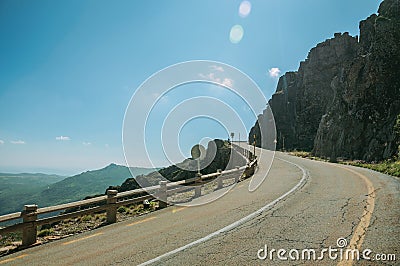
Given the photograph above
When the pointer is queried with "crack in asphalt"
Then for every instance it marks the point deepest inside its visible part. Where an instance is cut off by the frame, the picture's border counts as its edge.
(344, 209)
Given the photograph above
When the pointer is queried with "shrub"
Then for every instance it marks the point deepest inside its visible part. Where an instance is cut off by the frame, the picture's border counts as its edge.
(45, 232)
(45, 226)
(122, 209)
(86, 218)
(99, 217)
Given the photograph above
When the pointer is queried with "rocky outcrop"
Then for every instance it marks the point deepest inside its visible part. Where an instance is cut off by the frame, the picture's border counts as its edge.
(219, 155)
(345, 97)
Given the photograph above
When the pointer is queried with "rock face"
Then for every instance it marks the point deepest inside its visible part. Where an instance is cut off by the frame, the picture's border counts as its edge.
(344, 99)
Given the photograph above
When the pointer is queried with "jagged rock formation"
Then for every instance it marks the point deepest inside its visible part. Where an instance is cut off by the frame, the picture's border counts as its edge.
(345, 97)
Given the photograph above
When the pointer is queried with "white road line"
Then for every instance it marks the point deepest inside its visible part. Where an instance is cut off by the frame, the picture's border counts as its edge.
(237, 223)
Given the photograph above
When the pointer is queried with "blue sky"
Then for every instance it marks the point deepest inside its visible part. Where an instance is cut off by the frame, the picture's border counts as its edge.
(69, 68)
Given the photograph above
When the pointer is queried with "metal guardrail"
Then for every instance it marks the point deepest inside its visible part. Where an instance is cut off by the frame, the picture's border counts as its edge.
(110, 202)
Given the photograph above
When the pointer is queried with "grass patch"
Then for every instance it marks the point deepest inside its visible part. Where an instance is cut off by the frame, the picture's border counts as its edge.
(306, 154)
(302, 154)
(387, 167)
(9, 238)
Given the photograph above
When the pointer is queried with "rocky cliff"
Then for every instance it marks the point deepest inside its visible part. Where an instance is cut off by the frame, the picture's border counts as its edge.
(345, 97)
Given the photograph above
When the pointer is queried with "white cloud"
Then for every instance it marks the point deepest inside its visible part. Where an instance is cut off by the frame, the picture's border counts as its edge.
(63, 138)
(17, 142)
(1, 142)
(86, 143)
(211, 76)
(227, 82)
(274, 72)
(217, 68)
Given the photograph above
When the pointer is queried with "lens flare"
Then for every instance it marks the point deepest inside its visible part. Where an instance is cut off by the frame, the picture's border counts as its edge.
(236, 34)
(244, 9)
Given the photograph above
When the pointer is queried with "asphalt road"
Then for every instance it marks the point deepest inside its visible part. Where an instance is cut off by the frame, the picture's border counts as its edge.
(302, 204)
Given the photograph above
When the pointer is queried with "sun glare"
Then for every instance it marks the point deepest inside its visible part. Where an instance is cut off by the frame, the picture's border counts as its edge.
(236, 34)
(244, 9)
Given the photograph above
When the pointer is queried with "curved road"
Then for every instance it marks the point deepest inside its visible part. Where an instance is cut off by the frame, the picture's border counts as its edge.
(326, 202)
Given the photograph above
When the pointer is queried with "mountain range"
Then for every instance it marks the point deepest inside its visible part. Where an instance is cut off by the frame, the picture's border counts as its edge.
(44, 190)
(16, 190)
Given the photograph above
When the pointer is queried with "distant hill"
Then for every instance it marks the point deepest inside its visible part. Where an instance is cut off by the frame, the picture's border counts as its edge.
(79, 186)
(17, 188)
(47, 191)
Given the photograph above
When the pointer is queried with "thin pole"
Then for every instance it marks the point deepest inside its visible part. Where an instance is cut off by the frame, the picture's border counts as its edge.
(254, 146)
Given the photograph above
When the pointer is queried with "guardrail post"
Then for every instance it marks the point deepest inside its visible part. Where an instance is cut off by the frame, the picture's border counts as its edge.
(111, 206)
(29, 233)
(237, 175)
(197, 189)
(163, 195)
(219, 179)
